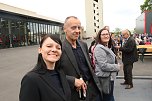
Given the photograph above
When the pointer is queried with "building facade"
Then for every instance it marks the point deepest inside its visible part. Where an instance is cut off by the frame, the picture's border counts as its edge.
(19, 27)
(144, 23)
(94, 16)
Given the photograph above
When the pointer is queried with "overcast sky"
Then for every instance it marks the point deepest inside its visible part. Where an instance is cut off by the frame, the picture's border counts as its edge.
(121, 13)
(117, 13)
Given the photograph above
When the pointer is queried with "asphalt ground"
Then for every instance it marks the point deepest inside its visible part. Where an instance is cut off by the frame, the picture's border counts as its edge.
(16, 62)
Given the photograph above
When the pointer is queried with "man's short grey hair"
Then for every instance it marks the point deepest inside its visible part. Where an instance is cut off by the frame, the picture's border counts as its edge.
(69, 18)
(127, 31)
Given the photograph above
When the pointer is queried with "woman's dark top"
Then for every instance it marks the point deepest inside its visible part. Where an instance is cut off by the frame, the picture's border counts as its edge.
(45, 85)
(54, 77)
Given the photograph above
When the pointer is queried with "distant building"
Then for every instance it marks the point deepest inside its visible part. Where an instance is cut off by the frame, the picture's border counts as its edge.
(144, 23)
(19, 27)
(94, 16)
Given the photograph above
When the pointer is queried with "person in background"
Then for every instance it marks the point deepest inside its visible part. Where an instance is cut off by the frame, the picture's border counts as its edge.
(76, 63)
(46, 82)
(91, 51)
(129, 56)
(114, 43)
(105, 60)
(92, 44)
(137, 40)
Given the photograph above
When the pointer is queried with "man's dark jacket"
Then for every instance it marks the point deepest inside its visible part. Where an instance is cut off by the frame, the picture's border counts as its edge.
(129, 51)
(71, 69)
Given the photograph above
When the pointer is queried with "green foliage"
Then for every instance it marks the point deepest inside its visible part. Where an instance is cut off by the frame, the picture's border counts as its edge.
(146, 6)
(117, 31)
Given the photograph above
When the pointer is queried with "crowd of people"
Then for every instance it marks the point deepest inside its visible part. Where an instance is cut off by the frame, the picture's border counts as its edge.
(143, 39)
(70, 71)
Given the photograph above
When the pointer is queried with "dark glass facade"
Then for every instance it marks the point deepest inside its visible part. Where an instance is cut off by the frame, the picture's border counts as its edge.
(18, 30)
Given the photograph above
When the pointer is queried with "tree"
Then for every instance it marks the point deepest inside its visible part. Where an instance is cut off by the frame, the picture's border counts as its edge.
(117, 31)
(146, 6)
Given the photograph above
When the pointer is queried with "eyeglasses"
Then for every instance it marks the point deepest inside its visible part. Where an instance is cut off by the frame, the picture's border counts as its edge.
(105, 34)
(123, 34)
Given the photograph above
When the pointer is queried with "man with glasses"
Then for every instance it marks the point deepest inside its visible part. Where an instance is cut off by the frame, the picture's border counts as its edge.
(129, 56)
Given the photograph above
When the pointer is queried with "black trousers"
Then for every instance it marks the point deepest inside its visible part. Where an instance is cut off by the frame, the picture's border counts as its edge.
(92, 92)
(109, 97)
(128, 73)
